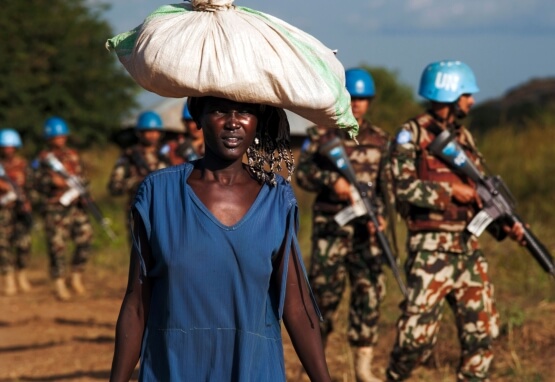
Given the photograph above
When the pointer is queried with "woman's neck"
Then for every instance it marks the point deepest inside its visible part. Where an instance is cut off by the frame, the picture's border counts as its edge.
(224, 173)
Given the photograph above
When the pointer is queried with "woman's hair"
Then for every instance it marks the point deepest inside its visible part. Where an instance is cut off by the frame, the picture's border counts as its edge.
(271, 146)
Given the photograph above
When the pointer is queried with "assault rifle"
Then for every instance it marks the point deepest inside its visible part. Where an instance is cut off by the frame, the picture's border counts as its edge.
(78, 189)
(15, 195)
(498, 203)
(335, 152)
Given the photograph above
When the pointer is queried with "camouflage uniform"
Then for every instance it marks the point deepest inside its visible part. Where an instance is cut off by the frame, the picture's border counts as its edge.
(177, 152)
(348, 251)
(15, 216)
(62, 222)
(444, 262)
(133, 165)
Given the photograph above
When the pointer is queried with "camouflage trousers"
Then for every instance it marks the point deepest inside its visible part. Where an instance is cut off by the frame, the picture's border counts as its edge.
(338, 253)
(63, 224)
(15, 241)
(461, 279)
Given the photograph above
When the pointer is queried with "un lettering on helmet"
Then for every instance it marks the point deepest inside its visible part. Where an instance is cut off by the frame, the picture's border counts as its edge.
(446, 81)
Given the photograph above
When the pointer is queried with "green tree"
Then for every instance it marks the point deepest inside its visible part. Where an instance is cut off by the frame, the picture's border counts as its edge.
(394, 102)
(53, 62)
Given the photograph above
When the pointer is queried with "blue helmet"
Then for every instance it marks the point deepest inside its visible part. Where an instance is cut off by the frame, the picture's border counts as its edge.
(54, 127)
(445, 81)
(359, 83)
(9, 138)
(186, 115)
(149, 120)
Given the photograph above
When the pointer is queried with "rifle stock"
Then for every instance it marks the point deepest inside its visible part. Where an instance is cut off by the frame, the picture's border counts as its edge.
(497, 200)
(88, 202)
(26, 216)
(334, 151)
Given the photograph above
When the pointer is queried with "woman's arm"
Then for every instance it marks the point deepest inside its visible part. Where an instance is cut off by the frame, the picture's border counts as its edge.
(134, 311)
(302, 322)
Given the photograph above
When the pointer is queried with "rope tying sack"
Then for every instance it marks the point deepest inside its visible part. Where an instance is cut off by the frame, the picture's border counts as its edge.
(211, 5)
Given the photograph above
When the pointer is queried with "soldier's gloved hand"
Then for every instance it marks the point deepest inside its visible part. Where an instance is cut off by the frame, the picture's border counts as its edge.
(465, 194)
(516, 232)
(342, 189)
(382, 225)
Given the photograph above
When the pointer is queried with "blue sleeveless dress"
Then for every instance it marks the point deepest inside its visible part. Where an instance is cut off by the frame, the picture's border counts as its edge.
(214, 314)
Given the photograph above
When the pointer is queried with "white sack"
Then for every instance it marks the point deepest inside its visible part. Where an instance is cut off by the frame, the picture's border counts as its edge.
(236, 53)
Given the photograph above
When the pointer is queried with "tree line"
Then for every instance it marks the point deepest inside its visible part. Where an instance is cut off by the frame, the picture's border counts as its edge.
(54, 62)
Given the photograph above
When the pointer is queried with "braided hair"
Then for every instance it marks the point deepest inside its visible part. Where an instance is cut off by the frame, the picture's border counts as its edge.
(271, 146)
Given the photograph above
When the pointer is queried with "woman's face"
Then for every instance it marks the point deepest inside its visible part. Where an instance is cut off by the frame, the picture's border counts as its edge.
(229, 127)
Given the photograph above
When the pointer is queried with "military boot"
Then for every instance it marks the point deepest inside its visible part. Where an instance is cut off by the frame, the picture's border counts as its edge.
(76, 283)
(61, 290)
(363, 364)
(23, 281)
(10, 287)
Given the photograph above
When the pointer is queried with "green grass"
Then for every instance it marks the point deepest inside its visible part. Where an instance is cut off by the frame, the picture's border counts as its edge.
(524, 159)
(526, 162)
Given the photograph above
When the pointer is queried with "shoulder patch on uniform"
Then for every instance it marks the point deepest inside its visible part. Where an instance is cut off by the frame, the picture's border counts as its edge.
(35, 164)
(165, 150)
(305, 145)
(403, 137)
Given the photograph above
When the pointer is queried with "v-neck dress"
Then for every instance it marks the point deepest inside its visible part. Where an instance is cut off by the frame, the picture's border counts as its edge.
(214, 313)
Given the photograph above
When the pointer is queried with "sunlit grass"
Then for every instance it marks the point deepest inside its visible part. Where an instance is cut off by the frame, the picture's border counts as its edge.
(526, 162)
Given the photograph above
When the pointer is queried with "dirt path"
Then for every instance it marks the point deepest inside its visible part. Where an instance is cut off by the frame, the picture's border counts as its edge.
(42, 339)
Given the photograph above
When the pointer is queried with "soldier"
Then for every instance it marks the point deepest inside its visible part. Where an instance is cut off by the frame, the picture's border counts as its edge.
(351, 250)
(188, 144)
(15, 213)
(444, 261)
(139, 160)
(64, 214)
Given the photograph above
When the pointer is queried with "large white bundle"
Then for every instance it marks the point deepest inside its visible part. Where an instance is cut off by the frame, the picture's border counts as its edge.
(211, 47)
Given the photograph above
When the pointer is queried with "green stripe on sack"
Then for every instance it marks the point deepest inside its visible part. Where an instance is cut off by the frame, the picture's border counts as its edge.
(168, 10)
(344, 118)
(124, 43)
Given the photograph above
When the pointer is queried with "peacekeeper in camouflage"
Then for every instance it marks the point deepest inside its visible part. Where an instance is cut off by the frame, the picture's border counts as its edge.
(139, 160)
(188, 144)
(348, 251)
(444, 261)
(65, 217)
(15, 214)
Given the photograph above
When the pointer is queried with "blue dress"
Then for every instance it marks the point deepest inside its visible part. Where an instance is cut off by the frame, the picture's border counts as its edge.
(214, 314)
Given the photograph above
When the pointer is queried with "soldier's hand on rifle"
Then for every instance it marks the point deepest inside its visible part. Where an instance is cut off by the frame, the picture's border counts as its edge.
(516, 232)
(382, 225)
(342, 188)
(58, 180)
(465, 194)
(5, 186)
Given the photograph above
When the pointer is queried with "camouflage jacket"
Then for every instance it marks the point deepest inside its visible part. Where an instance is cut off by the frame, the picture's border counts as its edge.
(132, 167)
(177, 152)
(19, 175)
(316, 173)
(49, 193)
(423, 187)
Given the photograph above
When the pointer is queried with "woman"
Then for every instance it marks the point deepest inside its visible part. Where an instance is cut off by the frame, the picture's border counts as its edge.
(215, 264)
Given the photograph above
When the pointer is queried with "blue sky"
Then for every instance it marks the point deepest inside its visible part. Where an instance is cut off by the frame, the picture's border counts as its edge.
(506, 42)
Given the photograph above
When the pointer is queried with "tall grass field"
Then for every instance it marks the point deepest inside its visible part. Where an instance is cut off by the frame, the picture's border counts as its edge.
(525, 294)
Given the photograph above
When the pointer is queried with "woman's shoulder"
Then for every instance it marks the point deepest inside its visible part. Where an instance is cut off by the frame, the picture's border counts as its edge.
(283, 189)
(170, 174)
